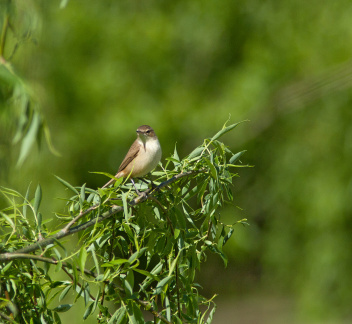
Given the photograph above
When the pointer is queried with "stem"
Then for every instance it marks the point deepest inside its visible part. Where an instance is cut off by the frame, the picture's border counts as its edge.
(112, 211)
(78, 284)
(110, 257)
(178, 292)
(143, 303)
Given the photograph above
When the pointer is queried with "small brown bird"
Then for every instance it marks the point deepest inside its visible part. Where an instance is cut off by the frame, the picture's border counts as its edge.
(142, 157)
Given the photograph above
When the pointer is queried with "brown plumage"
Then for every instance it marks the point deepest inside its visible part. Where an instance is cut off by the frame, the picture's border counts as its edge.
(142, 157)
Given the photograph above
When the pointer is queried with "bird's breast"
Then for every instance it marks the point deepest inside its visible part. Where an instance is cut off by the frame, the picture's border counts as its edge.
(147, 159)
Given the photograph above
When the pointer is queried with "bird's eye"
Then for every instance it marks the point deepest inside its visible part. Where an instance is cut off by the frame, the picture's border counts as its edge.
(148, 131)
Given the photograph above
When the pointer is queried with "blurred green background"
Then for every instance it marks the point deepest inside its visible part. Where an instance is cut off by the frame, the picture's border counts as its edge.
(100, 69)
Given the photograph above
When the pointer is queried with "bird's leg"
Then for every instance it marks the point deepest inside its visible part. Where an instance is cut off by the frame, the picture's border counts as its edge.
(138, 192)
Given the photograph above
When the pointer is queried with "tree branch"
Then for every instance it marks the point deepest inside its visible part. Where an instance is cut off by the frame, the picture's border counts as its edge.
(112, 211)
(143, 303)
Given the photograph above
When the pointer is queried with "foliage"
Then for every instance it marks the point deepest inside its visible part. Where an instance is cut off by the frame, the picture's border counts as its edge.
(21, 119)
(102, 68)
(134, 252)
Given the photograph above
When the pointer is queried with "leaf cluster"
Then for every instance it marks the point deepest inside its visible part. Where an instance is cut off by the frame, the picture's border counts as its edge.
(133, 252)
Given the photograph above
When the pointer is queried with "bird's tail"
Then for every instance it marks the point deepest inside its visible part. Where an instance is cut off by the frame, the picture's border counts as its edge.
(111, 181)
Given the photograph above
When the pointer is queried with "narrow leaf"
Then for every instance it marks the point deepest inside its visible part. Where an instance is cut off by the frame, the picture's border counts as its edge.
(162, 284)
(37, 198)
(82, 258)
(118, 316)
(196, 152)
(236, 156)
(7, 266)
(29, 138)
(25, 203)
(225, 130)
(66, 184)
(8, 219)
(64, 293)
(88, 311)
(63, 308)
(212, 168)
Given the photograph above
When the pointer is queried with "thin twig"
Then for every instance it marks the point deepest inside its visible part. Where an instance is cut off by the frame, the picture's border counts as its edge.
(78, 284)
(151, 310)
(110, 258)
(111, 212)
(143, 303)
(80, 215)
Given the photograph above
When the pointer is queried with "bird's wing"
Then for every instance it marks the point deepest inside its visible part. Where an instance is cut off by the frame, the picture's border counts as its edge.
(130, 156)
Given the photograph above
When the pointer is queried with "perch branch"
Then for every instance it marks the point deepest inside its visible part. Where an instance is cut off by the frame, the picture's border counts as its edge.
(69, 231)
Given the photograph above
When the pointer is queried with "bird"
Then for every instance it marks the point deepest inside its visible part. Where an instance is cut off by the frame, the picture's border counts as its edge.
(142, 157)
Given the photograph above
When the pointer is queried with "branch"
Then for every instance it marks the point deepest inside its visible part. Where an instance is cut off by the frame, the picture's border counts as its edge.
(112, 211)
(143, 303)
(151, 310)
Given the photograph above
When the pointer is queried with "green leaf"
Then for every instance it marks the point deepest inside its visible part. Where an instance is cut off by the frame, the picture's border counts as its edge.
(173, 265)
(146, 273)
(95, 259)
(168, 309)
(176, 233)
(75, 275)
(86, 295)
(210, 317)
(236, 156)
(25, 203)
(48, 139)
(40, 220)
(62, 308)
(66, 184)
(202, 188)
(58, 266)
(64, 293)
(7, 266)
(180, 218)
(228, 235)
(88, 311)
(126, 210)
(114, 262)
(37, 198)
(134, 313)
(118, 316)
(160, 286)
(196, 152)
(128, 283)
(175, 155)
(83, 195)
(29, 138)
(225, 130)
(212, 169)
(8, 220)
(82, 258)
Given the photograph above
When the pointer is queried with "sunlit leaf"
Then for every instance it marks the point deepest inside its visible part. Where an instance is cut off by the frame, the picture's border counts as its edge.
(225, 130)
(62, 308)
(82, 258)
(67, 185)
(29, 138)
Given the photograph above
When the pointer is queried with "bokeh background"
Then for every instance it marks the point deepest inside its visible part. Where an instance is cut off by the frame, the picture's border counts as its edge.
(100, 69)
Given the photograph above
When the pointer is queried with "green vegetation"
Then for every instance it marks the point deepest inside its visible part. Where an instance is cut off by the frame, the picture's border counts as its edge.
(133, 253)
(95, 72)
